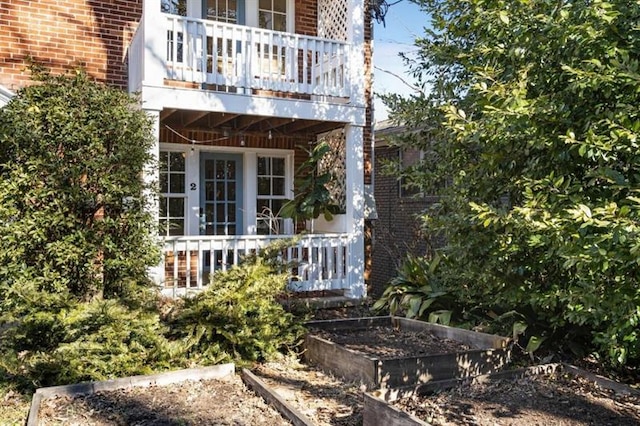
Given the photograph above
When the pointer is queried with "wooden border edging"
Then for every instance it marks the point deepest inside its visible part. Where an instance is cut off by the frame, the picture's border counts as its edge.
(160, 379)
(377, 410)
(288, 411)
(487, 353)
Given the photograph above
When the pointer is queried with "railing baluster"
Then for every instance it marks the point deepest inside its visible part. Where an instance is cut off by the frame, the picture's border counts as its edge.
(203, 51)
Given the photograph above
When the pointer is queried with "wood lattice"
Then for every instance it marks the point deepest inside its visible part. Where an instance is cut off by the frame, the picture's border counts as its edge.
(335, 162)
(332, 19)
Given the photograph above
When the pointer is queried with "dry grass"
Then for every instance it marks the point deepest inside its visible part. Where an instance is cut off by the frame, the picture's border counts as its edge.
(14, 407)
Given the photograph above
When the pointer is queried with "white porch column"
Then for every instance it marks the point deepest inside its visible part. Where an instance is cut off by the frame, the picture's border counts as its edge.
(356, 56)
(355, 210)
(155, 43)
(250, 177)
(151, 176)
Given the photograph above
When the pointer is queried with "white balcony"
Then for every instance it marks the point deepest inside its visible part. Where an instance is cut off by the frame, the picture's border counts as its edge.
(237, 58)
(319, 262)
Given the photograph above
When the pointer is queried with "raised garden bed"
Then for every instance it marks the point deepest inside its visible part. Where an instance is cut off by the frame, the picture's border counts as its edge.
(552, 394)
(390, 352)
(319, 398)
(206, 396)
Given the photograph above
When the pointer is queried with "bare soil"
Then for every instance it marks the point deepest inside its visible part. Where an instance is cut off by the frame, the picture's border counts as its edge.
(327, 400)
(224, 401)
(388, 342)
(321, 397)
(550, 399)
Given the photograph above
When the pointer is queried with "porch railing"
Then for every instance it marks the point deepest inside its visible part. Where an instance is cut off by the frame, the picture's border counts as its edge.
(237, 57)
(319, 262)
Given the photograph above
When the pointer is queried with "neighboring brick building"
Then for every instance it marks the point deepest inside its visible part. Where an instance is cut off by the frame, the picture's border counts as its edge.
(396, 231)
(233, 87)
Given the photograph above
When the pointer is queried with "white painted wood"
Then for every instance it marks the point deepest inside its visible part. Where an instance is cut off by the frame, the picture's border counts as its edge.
(356, 29)
(5, 96)
(151, 176)
(192, 177)
(195, 8)
(316, 255)
(236, 103)
(154, 33)
(355, 210)
(250, 191)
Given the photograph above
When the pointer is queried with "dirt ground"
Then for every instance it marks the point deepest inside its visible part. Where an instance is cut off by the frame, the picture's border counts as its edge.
(553, 399)
(225, 401)
(319, 396)
(328, 400)
(387, 342)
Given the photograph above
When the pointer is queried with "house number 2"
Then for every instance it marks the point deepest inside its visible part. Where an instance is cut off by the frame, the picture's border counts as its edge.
(193, 186)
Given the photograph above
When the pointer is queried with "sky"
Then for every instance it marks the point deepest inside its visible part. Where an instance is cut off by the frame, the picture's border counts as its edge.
(404, 22)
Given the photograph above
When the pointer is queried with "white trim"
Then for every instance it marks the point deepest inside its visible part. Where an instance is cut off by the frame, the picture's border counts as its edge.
(251, 14)
(250, 155)
(160, 97)
(5, 96)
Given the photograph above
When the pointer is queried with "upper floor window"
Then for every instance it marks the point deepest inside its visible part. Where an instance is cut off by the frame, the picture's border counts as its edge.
(174, 7)
(272, 14)
(409, 158)
(222, 10)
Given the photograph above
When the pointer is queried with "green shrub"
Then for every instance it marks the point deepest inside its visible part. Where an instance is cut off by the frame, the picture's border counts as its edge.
(238, 317)
(72, 206)
(99, 340)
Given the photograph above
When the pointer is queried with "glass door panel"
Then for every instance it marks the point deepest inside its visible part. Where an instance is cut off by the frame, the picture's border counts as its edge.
(221, 194)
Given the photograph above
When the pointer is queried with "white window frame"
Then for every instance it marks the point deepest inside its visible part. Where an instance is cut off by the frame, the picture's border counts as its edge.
(164, 196)
(270, 197)
(251, 11)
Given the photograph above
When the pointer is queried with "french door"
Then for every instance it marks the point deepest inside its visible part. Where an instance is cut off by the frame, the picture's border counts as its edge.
(221, 194)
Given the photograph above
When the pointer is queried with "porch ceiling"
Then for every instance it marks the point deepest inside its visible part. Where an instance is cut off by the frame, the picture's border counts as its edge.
(209, 121)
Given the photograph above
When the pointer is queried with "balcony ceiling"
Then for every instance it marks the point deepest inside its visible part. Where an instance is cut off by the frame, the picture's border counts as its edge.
(216, 121)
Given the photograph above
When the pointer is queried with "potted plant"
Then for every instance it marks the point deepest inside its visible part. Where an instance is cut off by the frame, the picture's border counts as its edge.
(312, 197)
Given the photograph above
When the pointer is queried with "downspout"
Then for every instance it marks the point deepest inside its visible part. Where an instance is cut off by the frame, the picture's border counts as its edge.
(5, 96)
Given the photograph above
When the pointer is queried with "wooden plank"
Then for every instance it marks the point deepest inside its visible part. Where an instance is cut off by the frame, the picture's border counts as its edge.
(272, 398)
(420, 369)
(406, 371)
(160, 379)
(341, 361)
(468, 337)
(376, 412)
(350, 324)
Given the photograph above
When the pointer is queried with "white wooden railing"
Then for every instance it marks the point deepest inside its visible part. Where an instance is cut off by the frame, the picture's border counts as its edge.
(319, 261)
(240, 58)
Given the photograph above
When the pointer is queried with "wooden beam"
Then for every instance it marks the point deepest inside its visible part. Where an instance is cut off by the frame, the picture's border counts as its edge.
(188, 118)
(247, 121)
(166, 113)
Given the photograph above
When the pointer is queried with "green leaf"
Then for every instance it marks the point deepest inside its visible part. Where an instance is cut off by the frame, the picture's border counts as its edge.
(443, 317)
(504, 17)
(534, 343)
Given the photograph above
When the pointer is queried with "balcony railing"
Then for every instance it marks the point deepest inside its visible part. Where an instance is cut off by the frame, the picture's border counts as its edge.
(239, 58)
(318, 262)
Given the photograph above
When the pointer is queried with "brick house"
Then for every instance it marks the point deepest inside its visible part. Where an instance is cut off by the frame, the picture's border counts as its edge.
(234, 88)
(396, 230)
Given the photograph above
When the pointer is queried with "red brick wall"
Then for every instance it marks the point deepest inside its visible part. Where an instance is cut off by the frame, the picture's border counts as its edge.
(306, 17)
(62, 34)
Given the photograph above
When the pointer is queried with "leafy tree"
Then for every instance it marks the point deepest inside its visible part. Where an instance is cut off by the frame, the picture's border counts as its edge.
(76, 237)
(533, 123)
(72, 212)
